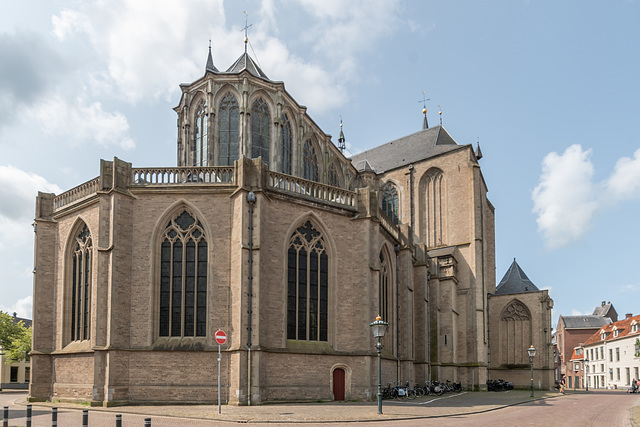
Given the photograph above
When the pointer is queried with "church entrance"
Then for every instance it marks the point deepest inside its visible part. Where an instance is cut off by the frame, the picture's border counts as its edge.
(338, 384)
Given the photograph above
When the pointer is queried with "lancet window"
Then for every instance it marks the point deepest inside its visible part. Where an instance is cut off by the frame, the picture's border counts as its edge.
(183, 278)
(287, 142)
(334, 176)
(200, 135)
(383, 291)
(309, 161)
(228, 137)
(434, 211)
(260, 127)
(308, 285)
(81, 285)
(390, 202)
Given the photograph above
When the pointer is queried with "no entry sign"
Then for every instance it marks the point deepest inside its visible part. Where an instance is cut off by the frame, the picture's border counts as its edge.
(220, 337)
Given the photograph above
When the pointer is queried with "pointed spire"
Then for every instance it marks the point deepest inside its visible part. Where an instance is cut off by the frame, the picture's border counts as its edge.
(341, 144)
(479, 156)
(210, 66)
(425, 124)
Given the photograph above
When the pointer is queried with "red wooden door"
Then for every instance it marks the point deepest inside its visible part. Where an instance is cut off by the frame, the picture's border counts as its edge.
(338, 384)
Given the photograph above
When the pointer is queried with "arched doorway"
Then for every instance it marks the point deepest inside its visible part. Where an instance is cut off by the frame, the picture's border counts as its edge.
(338, 384)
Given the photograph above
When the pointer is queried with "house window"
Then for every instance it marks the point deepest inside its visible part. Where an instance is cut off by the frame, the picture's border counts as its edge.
(390, 202)
(383, 291)
(617, 354)
(610, 355)
(611, 375)
(309, 161)
(200, 132)
(601, 352)
(228, 120)
(628, 376)
(27, 374)
(615, 333)
(569, 382)
(81, 285)
(618, 374)
(602, 367)
(183, 278)
(260, 127)
(287, 138)
(636, 372)
(308, 285)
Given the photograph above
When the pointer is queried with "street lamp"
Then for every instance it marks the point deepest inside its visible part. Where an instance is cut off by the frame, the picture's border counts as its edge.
(586, 374)
(378, 329)
(532, 353)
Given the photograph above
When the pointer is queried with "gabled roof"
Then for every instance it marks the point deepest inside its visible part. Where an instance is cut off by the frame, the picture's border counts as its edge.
(587, 321)
(606, 309)
(575, 356)
(245, 62)
(403, 151)
(624, 330)
(515, 282)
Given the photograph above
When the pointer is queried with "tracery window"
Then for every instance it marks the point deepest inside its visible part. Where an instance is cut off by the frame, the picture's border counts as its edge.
(287, 139)
(515, 334)
(309, 161)
(307, 285)
(200, 133)
(260, 126)
(81, 285)
(390, 202)
(334, 176)
(383, 291)
(228, 120)
(434, 209)
(183, 278)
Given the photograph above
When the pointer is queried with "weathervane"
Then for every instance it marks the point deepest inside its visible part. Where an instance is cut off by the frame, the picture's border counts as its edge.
(246, 27)
(425, 124)
(440, 113)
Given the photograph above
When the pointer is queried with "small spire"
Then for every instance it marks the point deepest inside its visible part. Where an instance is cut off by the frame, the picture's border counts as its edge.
(425, 123)
(210, 66)
(479, 156)
(341, 144)
(440, 114)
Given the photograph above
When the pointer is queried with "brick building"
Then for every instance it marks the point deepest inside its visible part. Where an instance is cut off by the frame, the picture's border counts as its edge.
(265, 230)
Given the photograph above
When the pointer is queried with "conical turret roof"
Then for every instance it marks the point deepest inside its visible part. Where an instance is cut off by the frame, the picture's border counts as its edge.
(245, 62)
(515, 282)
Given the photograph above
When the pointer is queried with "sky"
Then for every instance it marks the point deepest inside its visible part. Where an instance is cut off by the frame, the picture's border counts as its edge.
(549, 89)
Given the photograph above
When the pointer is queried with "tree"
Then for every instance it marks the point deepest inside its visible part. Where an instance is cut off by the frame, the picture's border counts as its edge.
(15, 338)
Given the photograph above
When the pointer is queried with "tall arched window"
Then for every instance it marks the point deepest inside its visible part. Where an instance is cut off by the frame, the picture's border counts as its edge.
(200, 133)
(308, 285)
(390, 202)
(260, 127)
(334, 176)
(229, 118)
(309, 161)
(183, 278)
(434, 208)
(81, 285)
(515, 334)
(287, 139)
(383, 291)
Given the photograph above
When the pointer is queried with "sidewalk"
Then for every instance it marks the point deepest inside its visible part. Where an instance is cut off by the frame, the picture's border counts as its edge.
(329, 412)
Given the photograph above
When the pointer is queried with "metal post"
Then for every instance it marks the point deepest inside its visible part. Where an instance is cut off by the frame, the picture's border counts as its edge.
(5, 417)
(251, 199)
(531, 359)
(29, 415)
(379, 347)
(586, 374)
(85, 418)
(147, 422)
(54, 417)
(118, 420)
(219, 404)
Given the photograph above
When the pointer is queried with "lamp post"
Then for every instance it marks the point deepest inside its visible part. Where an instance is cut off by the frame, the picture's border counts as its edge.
(586, 374)
(378, 329)
(532, 353)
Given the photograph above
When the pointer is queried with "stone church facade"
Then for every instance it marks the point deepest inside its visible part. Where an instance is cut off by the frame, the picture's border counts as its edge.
(264, 230)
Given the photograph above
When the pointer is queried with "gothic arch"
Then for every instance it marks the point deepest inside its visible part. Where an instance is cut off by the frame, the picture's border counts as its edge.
(347, 379)
(311, 139)
(432, 208)
(391, 204)
(199, 149)
(335, 175)
(261, 127)
(515, 333)
(280, 151)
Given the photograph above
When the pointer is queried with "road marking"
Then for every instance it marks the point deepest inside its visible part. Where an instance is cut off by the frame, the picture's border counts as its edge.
(446, 397)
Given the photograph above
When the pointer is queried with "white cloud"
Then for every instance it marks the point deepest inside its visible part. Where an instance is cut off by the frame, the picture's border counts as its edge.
(576, 312)
(80, 122)
(23, 308)
(565, 200)
(624, 182)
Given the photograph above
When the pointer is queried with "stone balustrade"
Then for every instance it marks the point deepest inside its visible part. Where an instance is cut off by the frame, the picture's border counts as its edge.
(183, 175)
(315, 190)
(82, 191)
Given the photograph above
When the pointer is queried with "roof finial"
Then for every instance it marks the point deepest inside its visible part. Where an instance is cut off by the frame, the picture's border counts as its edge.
(341, 144)
(246, 27)
(479, 156)
(425, 124)
(210, 66)
(440, 113)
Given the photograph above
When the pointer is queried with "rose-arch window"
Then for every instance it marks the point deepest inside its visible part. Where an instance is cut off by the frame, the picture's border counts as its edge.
(307, 285)
(81, 285)
(183, 278)
(260, 125)
(228, 136)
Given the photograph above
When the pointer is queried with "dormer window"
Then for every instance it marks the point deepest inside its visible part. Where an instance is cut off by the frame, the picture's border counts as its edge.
(634, 327)
(603, 335)
(615, 332)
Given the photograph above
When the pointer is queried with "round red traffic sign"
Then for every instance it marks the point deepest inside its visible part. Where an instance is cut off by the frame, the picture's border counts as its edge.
(220, 337)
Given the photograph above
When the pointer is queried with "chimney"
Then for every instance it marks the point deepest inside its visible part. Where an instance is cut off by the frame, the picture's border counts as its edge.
(15, 314)
(603, 303)
(628, 316)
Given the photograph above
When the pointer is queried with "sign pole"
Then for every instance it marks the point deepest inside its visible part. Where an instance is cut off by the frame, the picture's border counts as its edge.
(220, 337)
(219, 405)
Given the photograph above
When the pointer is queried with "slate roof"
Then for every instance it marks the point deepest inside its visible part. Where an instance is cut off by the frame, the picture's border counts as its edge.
(26, 322)
(606, 309)
(587, 321)
(245, 62)
(623, 326)
(403, 151)
(210, 66)
(515, 282)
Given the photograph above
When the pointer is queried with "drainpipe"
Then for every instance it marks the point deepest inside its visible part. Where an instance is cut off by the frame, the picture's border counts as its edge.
(397, 249)
(251, 199)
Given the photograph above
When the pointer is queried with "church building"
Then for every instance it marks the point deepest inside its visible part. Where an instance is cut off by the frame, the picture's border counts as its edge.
(266, 231)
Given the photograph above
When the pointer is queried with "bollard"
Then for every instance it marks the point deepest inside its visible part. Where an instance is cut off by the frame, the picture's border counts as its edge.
(147, 422)
(118, 420)
(5, 417)
(85, 418)
(54, 417)
(28, 415)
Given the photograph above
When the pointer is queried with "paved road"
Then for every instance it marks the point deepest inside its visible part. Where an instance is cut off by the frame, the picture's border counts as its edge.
(481, 408)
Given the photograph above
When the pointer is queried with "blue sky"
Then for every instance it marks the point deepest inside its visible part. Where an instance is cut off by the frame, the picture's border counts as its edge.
(550, 89)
